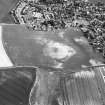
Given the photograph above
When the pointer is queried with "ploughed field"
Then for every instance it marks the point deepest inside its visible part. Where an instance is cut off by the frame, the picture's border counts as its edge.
(15, 85)
(87, 90)
(80, 88)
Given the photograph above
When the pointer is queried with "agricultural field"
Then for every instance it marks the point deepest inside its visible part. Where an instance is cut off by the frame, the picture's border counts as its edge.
(52, 52)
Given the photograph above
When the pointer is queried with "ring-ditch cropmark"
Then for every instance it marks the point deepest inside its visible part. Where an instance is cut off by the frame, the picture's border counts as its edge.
(58, 51)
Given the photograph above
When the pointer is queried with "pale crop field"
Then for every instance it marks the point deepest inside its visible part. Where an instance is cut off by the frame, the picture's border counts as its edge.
(4, 59)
